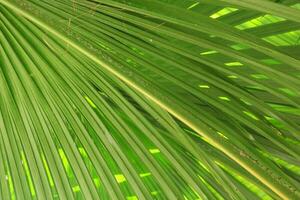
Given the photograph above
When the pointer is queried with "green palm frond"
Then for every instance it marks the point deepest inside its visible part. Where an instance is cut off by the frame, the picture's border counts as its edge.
(148, 99)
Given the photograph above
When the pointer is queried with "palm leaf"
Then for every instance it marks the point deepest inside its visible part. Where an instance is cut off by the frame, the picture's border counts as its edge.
(110, 99)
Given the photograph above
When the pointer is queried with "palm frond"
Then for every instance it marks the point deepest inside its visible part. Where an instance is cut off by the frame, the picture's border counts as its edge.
(111, 99)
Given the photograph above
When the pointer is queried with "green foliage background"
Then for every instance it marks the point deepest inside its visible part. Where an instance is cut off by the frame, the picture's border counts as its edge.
(149, 99)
